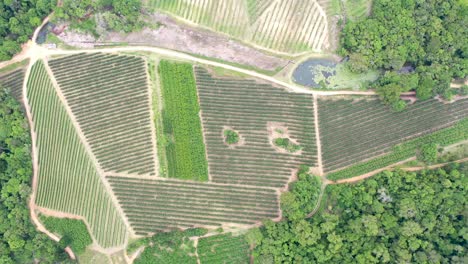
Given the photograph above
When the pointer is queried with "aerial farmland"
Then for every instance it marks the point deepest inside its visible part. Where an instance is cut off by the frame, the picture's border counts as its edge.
(129, 152)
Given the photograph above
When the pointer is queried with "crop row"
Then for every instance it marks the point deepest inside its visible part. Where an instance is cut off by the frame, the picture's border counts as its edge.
(354, 130)
(250, 108)
(223, 248)
(287, 26)
(408, 149)
(185, 150)
(230, 17)
(67, 180)
(291, 26)
(13, 82)
(155, 205)
(109, 96)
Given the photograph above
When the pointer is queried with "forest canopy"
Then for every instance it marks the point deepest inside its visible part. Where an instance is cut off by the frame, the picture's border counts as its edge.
(427, 35)
(18, 19)
(394, 217)
(94, 16)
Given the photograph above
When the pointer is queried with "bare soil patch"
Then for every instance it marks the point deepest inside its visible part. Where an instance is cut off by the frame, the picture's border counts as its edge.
(181, 37)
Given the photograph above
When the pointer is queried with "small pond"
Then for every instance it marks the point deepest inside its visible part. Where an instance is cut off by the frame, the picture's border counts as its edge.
(323, 73)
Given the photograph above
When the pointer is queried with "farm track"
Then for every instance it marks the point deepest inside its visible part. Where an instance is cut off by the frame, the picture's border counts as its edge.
(34, 52)
(86, 145)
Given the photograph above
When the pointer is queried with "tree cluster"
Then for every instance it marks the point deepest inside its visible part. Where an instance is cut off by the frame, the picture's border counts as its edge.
(90, 15)
(394, 217)
(19, 240)
(18, 19)
(428, 35)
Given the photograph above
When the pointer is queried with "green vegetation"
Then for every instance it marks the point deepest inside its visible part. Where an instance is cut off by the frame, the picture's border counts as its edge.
(341, 77)
(153, 206)
(20, 242)
(231, 136)
(18, 20)
(67, 178)
(353, 129)
(170, 247)
(394, 217)
(406, 150)
(286, 144)
(428, 153)
(109, 97)
(223, 248)
(282, 28)
(13, 82)
(185, 149)
(302, 197)
(249, 107)
(98, 16)
(423, 34)
(74, 233)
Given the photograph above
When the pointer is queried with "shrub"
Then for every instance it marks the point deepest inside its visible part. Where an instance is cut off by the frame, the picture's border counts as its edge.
(286, 144)
(231, 137)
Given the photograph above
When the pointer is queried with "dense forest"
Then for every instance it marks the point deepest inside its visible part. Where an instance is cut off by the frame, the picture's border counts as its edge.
(427, 37)
(20, 242)
(394, 217)
(97, 16)
(18, 19)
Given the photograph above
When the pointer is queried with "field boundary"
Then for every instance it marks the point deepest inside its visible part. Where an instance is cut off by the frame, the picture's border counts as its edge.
(88, 150)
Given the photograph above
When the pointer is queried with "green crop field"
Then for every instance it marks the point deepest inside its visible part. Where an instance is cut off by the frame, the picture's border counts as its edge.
(288, 26)
(109, 96)
(443, 137)
(224, 248)
(157, 205)
(13, 82)
(67, 178)
(185, 150)
(249, 107)
(353, 130)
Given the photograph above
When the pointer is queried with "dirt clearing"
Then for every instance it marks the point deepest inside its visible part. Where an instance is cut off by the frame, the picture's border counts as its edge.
(178, 36)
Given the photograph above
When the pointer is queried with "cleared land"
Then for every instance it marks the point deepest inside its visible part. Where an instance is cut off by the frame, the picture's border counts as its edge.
(109, 96)
(13, 81)
(185, 150)
(288, 26)
(356, 129)
(224, 248)
(153, 205)
(67, 178)
(249, 108)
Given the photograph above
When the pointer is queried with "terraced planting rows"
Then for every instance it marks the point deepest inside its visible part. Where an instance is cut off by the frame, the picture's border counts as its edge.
(228, 16)
(13, 81)
(155, 205)
(248, 107)
(289, 26)
(293, 25)
(352, 130)
(224, 248)
(67, 178)
(108, 95)
(185, 150)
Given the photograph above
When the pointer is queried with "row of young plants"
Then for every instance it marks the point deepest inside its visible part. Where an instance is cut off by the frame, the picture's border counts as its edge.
(403, 151)
(13, 82)
(108, 94)
(355, 129)
(185, 149)
(223, 248)
(153, 206)
(249, 108)
(67, 178)
(178, 247)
